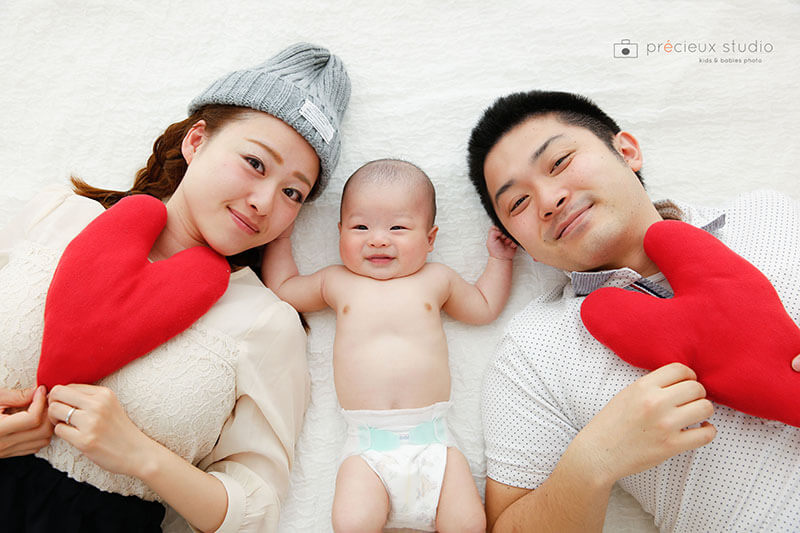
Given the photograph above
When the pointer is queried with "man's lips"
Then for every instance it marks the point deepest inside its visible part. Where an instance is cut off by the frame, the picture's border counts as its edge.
(571, 221)
(243, 221)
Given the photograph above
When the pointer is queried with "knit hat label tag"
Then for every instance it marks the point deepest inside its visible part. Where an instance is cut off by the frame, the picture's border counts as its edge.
(318, 120)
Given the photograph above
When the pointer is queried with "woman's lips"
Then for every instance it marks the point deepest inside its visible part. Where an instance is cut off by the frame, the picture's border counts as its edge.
(243, 222)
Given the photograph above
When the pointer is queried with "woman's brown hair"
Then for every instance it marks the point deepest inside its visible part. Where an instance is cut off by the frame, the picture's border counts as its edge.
(166, 166)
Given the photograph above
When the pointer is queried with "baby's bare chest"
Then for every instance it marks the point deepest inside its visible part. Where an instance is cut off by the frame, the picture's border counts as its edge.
(414, 299)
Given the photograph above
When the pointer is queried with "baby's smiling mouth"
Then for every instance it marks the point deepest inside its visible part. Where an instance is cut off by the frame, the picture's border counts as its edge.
(379, 259)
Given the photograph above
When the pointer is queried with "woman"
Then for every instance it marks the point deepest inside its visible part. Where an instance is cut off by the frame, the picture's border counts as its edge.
(206, 422)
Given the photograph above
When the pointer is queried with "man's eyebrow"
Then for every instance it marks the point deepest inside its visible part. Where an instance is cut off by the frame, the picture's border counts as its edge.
(539, 151)
(277, 157)
(503, 188)
(536, 155)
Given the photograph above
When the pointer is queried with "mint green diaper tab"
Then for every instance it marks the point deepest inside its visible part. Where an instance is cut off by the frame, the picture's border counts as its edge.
(384, 440)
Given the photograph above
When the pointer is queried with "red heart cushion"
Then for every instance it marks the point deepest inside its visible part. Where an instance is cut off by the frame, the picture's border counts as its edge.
(108, 304)
(726, 322)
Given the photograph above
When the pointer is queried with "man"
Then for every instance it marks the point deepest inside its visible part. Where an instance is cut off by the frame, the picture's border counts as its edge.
(564, 417)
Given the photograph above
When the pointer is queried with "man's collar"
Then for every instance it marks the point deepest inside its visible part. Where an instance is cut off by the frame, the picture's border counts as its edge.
(710, 220)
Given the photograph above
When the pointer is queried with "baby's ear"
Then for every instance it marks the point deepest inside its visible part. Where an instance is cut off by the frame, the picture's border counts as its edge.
(432, 237)
(339, 225)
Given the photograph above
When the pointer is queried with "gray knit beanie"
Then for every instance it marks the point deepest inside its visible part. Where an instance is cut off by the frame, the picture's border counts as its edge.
(304, 85)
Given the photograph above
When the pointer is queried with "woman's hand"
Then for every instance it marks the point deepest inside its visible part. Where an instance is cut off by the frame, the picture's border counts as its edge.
(91, 418)
(23, 431)
(99, 427)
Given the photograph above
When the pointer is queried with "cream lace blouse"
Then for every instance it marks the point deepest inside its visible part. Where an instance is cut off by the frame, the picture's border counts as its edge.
(227, 395)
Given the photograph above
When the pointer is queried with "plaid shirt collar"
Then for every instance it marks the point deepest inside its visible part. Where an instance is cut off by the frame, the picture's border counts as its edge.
(585, 282)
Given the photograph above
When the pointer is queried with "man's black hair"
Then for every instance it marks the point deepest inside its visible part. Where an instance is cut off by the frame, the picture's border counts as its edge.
(509, 111)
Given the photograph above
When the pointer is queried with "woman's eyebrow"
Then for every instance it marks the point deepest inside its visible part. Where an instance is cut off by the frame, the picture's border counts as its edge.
(277, 157)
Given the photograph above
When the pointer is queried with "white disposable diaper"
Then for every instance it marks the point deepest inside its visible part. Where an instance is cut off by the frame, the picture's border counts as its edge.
(407, 449)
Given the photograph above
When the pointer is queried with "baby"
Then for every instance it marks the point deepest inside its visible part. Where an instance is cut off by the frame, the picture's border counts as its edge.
(390, 362)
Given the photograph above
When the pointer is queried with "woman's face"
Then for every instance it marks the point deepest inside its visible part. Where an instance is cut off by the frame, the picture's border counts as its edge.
(244, 184)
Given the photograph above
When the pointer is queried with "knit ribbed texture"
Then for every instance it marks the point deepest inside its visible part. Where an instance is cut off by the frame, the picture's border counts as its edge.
(304, 85)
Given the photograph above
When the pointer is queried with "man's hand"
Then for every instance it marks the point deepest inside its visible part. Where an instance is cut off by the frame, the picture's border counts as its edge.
(646, 424)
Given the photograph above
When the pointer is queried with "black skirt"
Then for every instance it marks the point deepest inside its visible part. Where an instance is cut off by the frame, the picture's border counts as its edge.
(37, 498)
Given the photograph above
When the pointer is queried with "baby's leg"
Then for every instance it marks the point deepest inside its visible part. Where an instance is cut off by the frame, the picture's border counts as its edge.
(360, 503)
(460, 507)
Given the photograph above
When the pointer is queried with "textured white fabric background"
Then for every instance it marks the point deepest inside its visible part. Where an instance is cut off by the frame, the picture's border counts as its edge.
(87, 86)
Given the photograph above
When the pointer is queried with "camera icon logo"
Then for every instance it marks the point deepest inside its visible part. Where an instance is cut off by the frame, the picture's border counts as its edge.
(625, 48)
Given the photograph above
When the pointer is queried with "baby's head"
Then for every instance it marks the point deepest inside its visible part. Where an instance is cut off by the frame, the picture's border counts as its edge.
(386, 221)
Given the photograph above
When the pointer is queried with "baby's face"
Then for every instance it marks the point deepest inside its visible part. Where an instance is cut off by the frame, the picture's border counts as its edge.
(385, 231)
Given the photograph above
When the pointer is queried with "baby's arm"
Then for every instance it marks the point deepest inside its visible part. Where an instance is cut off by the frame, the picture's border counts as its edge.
(481, 303)
(279, 272)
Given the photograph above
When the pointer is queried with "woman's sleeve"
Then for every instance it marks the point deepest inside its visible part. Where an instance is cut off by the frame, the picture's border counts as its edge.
(255, 450)
(25, 221)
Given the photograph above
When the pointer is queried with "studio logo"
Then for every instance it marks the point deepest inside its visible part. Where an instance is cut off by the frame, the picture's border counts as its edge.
(736, 51)
(625, 48)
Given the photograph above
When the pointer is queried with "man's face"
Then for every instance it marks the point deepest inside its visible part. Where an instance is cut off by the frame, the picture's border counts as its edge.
(568, 199)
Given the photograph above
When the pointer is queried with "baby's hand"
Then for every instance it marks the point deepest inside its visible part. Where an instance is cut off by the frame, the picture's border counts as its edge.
(499, 245)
